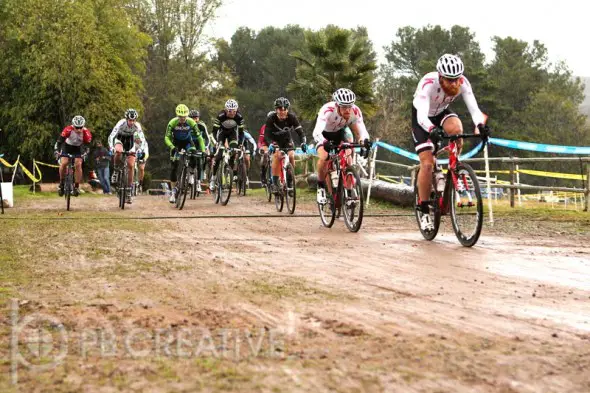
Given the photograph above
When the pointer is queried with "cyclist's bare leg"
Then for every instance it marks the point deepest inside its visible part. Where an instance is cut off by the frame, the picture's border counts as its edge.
(425, 174)
(118, 153)
(276, 165)
(453, 126)
(247, 161)
(63, 163)
(130, 164)
(292, 158)
(322, 165)
(141, 171)
(78, 171)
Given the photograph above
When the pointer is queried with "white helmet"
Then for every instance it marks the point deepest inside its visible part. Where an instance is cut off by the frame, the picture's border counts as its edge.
(450, 66)
(78, 121)
(344, 97)
(231, 104)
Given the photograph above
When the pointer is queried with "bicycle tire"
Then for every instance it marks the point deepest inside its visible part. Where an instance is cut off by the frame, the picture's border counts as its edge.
(280, 199)
(290, 189)
(242, 176)
(68, 187)
(435, 211)
(352, 182)
(472, 190)
(181, 188)
(329, 216)
(224, 183)
(268, 182)
(123, 190)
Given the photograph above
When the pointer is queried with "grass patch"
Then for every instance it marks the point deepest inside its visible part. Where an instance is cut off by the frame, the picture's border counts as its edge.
(289, 287)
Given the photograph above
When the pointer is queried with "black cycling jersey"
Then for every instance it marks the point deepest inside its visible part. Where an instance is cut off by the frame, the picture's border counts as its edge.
(278, 130)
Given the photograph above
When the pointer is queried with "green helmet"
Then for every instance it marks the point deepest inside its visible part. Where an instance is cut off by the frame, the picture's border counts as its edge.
(182, 110)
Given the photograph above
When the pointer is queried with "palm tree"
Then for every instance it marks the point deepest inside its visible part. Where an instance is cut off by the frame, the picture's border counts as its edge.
(333, 58)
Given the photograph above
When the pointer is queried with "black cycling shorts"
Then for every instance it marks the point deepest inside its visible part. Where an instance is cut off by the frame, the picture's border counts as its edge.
(420, 136)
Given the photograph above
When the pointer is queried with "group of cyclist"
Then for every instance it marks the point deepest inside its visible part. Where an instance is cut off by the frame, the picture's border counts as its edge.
(339, 120)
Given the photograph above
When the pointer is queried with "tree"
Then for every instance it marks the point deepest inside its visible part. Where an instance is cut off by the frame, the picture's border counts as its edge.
(262, 66)
(333, 58)
(62, 58)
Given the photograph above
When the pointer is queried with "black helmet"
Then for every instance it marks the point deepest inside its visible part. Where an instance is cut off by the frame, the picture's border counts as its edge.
(194, 113)
(282, 102)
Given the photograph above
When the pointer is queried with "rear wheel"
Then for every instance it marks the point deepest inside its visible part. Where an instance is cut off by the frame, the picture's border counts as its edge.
(352, 199)
(435, 212)
(467, 206)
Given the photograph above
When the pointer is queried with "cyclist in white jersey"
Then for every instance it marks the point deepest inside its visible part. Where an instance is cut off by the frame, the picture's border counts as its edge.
(123, 138)
(333, 120)
(431, 113)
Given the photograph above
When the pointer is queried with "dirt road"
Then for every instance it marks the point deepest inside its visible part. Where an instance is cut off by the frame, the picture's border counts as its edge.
(283, 304)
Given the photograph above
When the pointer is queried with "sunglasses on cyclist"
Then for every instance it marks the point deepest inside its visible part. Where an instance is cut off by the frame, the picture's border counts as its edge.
(451, 80)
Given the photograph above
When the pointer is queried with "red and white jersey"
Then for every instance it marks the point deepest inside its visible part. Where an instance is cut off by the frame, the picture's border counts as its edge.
(329, 120)
(430, 100)
(75, 137)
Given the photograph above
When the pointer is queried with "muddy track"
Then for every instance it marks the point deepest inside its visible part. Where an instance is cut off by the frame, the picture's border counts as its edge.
(380, 310)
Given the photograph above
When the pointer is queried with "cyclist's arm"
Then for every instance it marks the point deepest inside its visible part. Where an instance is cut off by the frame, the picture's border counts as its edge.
(268, 131)
(169, 136)
(422, 104)
(471, 103)
(197, 132)
(250, 139)
(62, 138)
(358, 126)
(114, 134)
(261, 140)
(319, 128)
(299, 129)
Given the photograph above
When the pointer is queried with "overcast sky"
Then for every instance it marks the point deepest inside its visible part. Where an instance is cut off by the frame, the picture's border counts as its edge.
(563, 26)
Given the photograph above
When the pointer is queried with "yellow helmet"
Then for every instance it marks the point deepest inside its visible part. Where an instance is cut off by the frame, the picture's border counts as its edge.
(182, 110)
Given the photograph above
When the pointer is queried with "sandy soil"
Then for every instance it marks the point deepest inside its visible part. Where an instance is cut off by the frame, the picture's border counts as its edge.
(283, 304)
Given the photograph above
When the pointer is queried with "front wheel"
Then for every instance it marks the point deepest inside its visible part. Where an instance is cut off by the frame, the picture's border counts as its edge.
(435, 212)
(224, 183)
(267, 186)
(290, 189)
(181, 189)
(328, 210)
(123, 188)
(352, 199)
(466, 206)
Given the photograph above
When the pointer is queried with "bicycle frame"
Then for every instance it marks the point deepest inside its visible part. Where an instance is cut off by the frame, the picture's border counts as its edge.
(452, 149)
(339, 162)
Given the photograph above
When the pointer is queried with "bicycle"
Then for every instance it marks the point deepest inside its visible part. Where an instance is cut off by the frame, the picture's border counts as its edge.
(241, 172)
(267, 181)
(121, 174)
(345, 188)
(224, 177)
(186, 178)
(458, 194)
(69, 176)
(286, 188)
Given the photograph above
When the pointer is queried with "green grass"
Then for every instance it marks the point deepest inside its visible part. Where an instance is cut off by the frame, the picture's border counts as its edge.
(22, 192)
